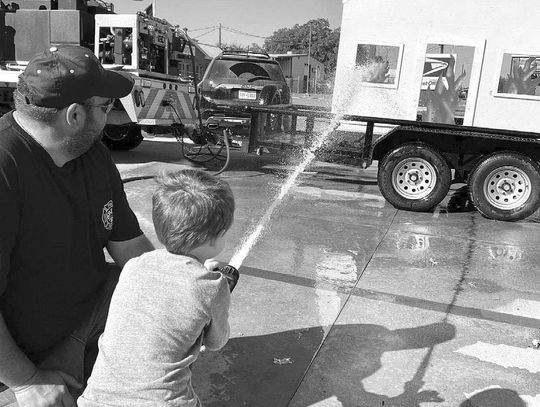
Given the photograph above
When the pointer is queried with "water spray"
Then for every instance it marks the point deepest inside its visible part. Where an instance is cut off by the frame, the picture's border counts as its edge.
(252, 237)
(348, 93)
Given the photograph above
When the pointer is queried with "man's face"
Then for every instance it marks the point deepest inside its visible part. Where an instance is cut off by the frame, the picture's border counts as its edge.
(96, 118)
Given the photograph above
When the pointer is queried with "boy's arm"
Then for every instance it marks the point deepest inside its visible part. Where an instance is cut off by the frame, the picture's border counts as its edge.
(216, 333)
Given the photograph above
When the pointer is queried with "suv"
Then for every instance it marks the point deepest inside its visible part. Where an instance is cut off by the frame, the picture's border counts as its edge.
(235, 80)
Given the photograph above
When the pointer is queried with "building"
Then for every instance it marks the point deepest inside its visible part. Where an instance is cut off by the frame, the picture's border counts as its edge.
(295, 69)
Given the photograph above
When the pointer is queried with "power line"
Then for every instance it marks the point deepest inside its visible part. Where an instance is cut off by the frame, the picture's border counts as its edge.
(208, 32)
(200, 29)
(234, 30)
(208, 45)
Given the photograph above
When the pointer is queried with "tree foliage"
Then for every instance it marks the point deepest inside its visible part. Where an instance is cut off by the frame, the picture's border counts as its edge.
(254, 47)
(324, 41)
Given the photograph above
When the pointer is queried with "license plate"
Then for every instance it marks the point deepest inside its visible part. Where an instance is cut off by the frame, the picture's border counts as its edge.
(247, 94)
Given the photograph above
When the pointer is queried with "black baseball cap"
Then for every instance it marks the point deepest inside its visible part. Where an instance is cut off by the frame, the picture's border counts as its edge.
(70, 74)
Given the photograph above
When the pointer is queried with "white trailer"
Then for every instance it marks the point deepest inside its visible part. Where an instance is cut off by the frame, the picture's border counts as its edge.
(453, 91)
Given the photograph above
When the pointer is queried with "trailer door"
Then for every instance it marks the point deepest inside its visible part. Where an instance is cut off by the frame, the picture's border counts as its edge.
(450, 79)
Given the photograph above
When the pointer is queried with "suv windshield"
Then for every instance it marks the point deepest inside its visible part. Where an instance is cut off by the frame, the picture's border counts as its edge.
(246, 70)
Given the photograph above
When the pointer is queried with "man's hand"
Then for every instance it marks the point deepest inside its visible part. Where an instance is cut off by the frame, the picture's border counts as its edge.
(47, 388)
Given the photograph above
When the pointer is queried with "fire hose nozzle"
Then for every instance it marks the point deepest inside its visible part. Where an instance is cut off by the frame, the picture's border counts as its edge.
(231, 274)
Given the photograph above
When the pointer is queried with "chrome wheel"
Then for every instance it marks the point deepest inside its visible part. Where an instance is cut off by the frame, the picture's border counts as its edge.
(507, 187)
(414, 178)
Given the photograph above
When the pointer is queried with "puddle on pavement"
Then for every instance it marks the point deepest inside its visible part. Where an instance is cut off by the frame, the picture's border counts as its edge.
(416, 243)
(505, 253)
(340, 270)
(415, 250)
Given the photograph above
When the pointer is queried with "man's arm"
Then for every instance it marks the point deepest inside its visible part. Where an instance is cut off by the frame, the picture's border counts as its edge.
(121, 252)
(15, 368)
(32, 387)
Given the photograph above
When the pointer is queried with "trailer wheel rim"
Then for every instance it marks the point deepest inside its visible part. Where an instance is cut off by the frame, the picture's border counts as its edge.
(414, 178)
(507, 187)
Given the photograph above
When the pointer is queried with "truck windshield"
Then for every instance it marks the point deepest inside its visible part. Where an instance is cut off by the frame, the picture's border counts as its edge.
(246, 70)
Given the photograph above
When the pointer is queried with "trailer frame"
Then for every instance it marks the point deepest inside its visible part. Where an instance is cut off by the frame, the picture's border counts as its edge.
(465, 150)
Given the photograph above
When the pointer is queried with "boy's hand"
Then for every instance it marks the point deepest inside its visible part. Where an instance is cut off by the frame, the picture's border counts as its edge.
(231, 274)
(213, 265)
(47, 388)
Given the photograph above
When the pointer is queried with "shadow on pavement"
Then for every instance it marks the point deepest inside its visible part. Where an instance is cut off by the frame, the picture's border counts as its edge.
(496, 397)
(459, 201)
(267, 369)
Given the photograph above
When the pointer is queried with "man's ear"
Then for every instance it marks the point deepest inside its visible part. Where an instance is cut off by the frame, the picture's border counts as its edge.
(75, 115)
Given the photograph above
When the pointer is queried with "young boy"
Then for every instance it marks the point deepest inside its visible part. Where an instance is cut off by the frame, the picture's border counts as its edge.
(167, 304)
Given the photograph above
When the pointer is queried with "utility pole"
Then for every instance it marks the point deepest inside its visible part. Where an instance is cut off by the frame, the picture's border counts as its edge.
(219, 36)
(316, 76)
(308, 60)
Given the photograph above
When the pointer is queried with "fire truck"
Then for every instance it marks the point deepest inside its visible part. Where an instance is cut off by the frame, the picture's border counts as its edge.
(149, 48)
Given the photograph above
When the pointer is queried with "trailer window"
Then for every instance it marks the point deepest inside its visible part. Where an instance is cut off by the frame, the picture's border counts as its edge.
(519, 76)
(379, 64)
(445, 83)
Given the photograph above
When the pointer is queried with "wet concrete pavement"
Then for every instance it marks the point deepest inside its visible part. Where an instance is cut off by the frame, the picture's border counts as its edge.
(346, 301)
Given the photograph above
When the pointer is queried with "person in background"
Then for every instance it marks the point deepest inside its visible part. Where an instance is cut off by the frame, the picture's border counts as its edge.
(62, 202)
(167, 304)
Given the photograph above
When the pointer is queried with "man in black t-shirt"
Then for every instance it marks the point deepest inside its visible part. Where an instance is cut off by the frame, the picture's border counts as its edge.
(61, 203)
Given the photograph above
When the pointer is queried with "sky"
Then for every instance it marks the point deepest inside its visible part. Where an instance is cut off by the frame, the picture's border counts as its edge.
(259, 18)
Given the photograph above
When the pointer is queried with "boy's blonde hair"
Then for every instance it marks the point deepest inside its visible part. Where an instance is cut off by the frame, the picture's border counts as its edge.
(190, 208)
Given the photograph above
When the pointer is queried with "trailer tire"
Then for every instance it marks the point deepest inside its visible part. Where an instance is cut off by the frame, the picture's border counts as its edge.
(505, 186)
(414, 177)
(125, 137)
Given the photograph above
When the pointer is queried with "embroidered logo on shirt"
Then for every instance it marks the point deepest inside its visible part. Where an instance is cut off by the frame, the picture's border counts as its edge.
(107, 215)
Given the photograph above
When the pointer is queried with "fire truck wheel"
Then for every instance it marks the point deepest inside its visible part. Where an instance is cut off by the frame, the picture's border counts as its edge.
(414, 177)
(124, 137)
(505, 186)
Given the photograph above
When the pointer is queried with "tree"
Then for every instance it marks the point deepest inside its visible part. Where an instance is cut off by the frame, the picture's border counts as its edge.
(254, 47)
(324, 42)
